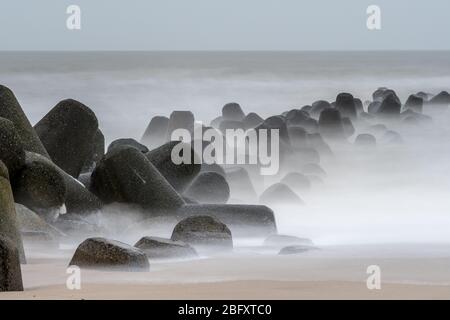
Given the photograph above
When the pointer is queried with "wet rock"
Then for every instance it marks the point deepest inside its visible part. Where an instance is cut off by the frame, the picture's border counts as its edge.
(10, 272)
(279, 240)
(75, 225)
(414, 103)
(318, 106)
(241, 186)
(9, 227)
(365, 140)
(40, 187)
(330, 124)
(128, 143)
(280, 194)
(67, 132)
(440, 101)
(79, 200)
(297, 181)
(29, 221)
(294, 250)
(156, 132)
(178, 175)
(345, 103)
(97, 152)
(209, 187)
(296, 117)
(390, 106)
(126, 175)
(10, 109)
(101, 253)
(161, 248)
(232, 111)
(11, 148)
(252, 120)
(203, 231)
(180, 120)
(243, 220)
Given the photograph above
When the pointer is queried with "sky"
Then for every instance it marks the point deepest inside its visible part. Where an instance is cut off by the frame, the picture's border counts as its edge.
(224, 25)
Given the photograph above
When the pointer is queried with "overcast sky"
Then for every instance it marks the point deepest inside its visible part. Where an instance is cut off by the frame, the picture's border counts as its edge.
(224, 25)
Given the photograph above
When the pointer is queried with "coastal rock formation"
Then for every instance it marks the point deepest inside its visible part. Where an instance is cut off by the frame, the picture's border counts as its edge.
(209, 187)
(10, 272)
(161, 248)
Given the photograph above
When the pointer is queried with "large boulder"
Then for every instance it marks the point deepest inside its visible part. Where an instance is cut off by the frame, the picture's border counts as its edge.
(178, 175)
(252, 120)
(97, 151)
(280, 194)
(101, 253)
(345, 103)
(317, 108)
(10, 273)
(9, 226)
(330, 124)
(28, 221)
(203, 231)
(12, 153)
(243, 220)
(156, 132)
(209, 187)
(296, 117)
(414, 103)
(390, 107)
(232, 111)
(10, 109)
(126, 175)
(79, 200)
(440, 101)
(67, 132)
(180, 120)
(161, 248)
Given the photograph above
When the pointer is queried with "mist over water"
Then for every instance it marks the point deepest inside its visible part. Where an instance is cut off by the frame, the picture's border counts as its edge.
(393, 193)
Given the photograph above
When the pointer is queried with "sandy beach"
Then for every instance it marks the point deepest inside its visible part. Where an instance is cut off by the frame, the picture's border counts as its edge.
(339, 272)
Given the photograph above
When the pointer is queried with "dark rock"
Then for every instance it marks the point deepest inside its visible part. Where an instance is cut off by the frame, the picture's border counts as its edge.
(390, 106)
(414, 103)
(297, 181)
(156, 132)
(67, 132)
(161, 248)
(10, 272)
(345, 103)
(29, 221)
(365, 140)
(243, 220)
(440, 101)
(296, 117)
(209, 187)
(275, 122)
(203, 231)
(9, 226)
(349, 129)
(278, 240)
(232, 111)
(78, 199)
(101, 253)
(298, 137)
(126, 175)
(294, 250)
(241, 186)
(306, 109)
(12, 153)
(178, 175)
(374, 107)
(180, 120)
(425, 96)
(358, 105)
(318, 107)
(230, 124)
(10, 109)
(378, 94)
(97, 152)
(280, 194)
(128, 143)
(330, 124)
(214, 167)
(252, 120)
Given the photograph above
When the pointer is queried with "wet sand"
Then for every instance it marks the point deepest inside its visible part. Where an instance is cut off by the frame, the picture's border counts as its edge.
(407, 272)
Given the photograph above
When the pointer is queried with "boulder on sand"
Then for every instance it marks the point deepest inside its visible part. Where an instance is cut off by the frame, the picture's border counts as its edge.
(12, 153)
(9, 226)
(126, 175)
(127, 142)
(156, 132)
(10, 109)
(161, 248)
(10, 272)
(67, 132)
(101, 253)
(243, 220)
(203, 231)
(181, 175)
(280, 194)
(209, 187)
(232, 111)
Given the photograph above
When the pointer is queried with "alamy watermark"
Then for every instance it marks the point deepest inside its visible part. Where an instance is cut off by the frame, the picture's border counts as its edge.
(374, 280)
(73, 281)
(374, 17)
(235, 146)
(73, 21)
